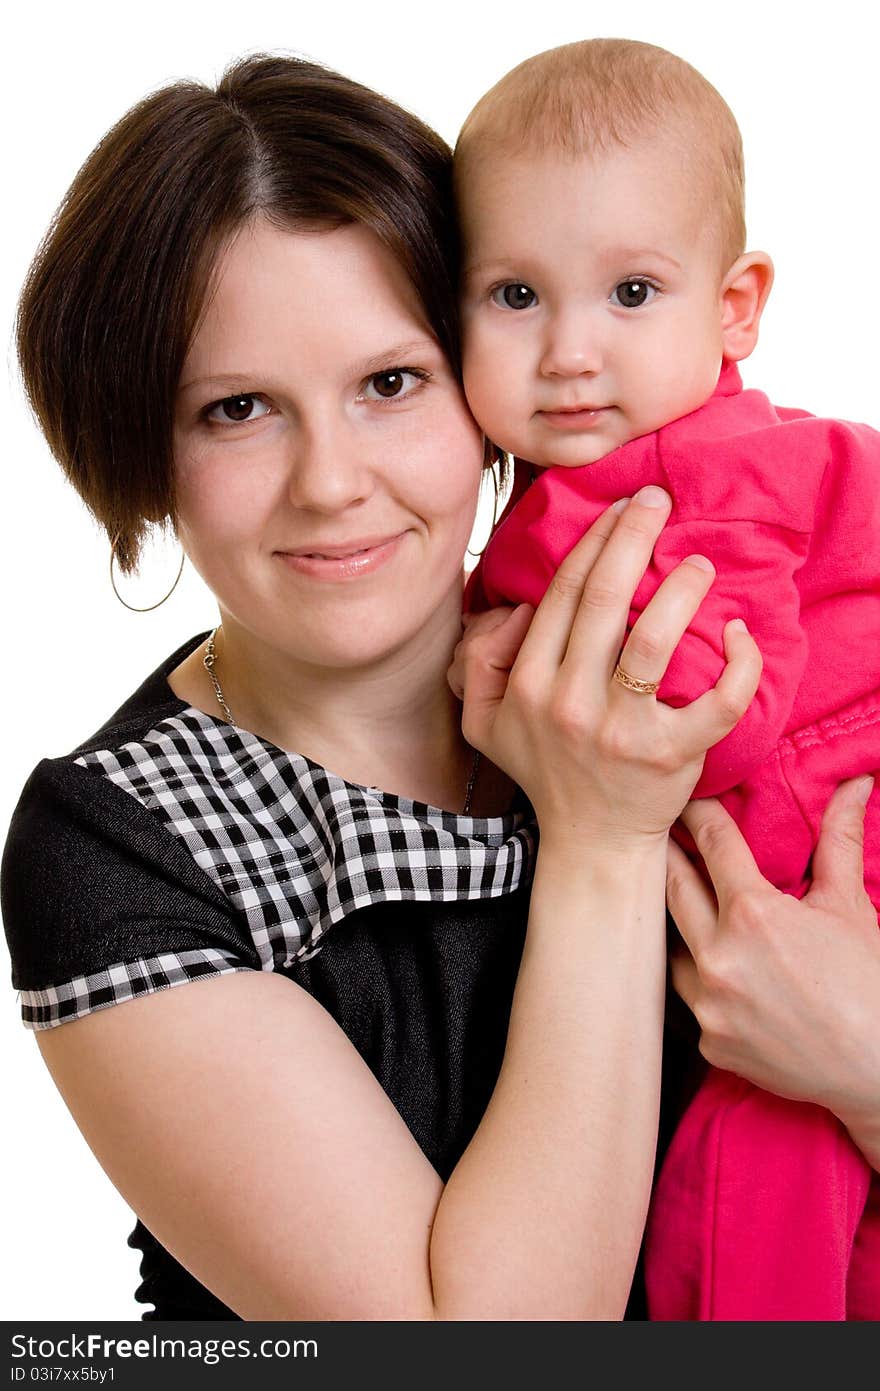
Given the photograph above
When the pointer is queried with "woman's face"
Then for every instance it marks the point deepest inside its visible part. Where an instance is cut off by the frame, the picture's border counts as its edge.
(326, 466)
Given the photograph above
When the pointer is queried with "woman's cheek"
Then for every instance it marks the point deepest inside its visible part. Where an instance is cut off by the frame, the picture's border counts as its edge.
(463, 443)
(230, 488)
(441, 448)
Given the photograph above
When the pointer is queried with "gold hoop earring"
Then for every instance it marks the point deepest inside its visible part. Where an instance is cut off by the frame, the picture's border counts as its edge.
(490, 462)
(149, 607)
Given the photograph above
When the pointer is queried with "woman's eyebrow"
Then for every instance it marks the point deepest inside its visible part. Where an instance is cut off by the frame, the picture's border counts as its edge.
(217, 381)
(396, 355)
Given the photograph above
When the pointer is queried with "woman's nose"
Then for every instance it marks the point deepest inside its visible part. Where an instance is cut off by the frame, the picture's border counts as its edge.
(571, 347)
(329, 469)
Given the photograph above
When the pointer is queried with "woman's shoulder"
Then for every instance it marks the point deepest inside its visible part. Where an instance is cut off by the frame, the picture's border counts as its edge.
(66, 817)
(152, 702)
(99, 903)
(61, 805)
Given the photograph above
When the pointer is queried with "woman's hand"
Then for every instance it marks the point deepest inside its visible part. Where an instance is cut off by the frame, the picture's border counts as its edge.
(786, 992)
(475, 625)
(540, 700)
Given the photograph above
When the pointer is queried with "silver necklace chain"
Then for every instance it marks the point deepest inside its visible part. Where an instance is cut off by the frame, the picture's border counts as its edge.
(471, 783)
(209, 662)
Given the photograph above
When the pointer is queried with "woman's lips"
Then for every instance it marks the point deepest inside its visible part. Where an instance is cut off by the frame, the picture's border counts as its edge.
(579, 418)
(346, 562)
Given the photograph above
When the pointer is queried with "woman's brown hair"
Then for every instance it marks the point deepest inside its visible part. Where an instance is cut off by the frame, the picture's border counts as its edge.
(113, 296)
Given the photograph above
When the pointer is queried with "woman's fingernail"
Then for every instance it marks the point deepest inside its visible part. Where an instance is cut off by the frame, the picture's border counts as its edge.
(652, 497)
(700, 562)
(739, 624)
(620, 505)
(864, 788)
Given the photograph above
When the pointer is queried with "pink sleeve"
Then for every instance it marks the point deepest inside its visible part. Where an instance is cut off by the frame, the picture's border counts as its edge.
(755, 565)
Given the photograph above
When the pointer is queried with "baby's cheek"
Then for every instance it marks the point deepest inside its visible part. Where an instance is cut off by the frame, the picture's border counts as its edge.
(692, 385)
(683, 373)
(493, 398)
(484, 382)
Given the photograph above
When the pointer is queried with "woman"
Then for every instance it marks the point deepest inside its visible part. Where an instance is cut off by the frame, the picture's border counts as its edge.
(243, 320)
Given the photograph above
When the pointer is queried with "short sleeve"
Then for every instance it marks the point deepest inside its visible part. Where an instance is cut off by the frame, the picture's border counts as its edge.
(101, 904)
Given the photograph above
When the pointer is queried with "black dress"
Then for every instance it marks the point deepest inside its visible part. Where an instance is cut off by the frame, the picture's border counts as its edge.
(171, 846)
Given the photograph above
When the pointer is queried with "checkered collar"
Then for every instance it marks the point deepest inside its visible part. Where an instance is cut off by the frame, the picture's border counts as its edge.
(297, 848)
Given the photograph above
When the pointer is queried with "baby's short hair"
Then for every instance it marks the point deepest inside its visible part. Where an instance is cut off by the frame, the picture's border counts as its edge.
(585, 98)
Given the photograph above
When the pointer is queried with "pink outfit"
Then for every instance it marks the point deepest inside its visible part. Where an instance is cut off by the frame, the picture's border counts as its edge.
(763, 1209)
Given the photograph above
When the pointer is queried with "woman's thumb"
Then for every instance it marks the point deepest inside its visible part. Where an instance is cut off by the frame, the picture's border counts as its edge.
(838, 861)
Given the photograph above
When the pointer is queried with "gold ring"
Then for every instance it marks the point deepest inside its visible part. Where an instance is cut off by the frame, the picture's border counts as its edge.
(633, 684)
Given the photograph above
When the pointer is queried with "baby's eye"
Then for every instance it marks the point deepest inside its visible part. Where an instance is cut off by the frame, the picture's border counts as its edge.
(237, 409)
(397, 381)
(514, 296)
(632, 294)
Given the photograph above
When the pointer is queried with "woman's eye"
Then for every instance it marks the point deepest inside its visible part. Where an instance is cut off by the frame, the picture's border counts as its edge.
(632, 294)
(514, 296)
(237, 409)
(397, 381)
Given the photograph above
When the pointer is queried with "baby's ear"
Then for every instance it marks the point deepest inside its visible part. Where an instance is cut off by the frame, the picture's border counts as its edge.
(744, 292)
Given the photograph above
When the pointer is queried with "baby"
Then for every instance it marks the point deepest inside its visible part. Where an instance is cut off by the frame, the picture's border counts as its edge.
(606, 301)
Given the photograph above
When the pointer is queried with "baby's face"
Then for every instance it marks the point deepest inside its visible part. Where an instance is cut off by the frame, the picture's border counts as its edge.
(591, 299)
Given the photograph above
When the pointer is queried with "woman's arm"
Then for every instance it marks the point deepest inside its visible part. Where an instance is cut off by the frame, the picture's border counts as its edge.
(558, 1176)
(241, 1124)
(786, 992)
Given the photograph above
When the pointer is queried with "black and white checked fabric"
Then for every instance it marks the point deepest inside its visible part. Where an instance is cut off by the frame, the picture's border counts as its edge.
(56, 1004)
(294, 847)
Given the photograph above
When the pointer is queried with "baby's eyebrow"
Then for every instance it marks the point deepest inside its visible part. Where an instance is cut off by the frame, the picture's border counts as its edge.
(637, 254)
(622, 258)
(481, 267)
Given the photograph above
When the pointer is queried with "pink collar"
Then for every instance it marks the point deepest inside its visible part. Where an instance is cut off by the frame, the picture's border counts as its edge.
(729, 380)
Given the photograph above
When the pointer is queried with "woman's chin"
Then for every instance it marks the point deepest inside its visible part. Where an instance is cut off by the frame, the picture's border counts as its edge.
(351, 643)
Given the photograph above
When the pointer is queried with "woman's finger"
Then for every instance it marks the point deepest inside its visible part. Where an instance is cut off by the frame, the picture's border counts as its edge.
(715, 713)
(551, 627)
(488, 659)
(474, 625)
(689, 899)
(684, 974)
(729, 862)
(597, 624)
(838, 860)
(660, 627)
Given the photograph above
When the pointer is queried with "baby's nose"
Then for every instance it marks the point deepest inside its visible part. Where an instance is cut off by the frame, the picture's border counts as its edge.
(571, 349)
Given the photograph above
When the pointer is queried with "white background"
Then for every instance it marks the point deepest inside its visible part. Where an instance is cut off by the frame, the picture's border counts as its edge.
(802, 80)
